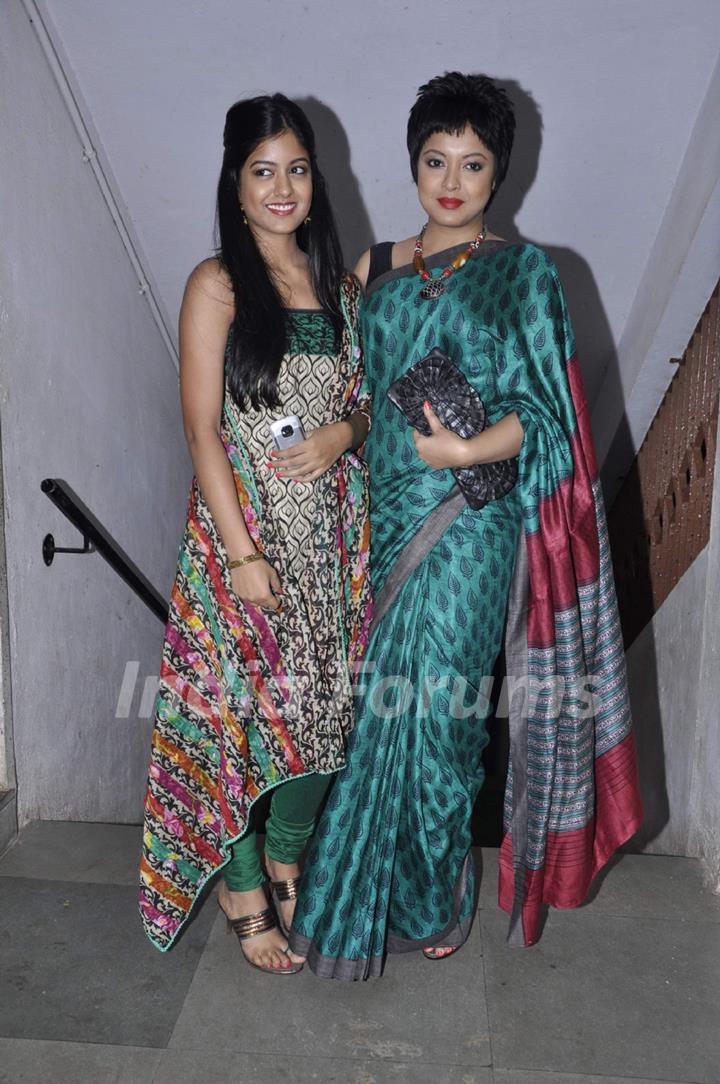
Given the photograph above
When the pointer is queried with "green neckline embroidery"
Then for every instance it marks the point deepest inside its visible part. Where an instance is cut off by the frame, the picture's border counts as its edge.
(310, 332)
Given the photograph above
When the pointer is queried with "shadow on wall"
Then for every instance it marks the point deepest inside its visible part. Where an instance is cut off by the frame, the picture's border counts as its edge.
(596, 348)
(643, 676)
(353, 221)
(599, 360)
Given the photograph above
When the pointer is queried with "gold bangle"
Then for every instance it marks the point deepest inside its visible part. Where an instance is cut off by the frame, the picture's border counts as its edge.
(240, 561)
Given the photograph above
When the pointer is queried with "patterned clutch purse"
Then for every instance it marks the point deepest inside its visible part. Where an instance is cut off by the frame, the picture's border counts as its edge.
(459, 408)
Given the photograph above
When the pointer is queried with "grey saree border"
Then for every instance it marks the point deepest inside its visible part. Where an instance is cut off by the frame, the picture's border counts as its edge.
(516, 660)
(453, 935)
(334, 967)
(416, 550)
(438, 259)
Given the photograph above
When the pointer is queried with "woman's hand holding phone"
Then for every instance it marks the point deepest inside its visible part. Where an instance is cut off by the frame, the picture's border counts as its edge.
(308, 460)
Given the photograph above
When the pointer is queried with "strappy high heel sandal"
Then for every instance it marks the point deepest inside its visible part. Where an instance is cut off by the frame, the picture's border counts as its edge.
(249, 926)
(282, 891)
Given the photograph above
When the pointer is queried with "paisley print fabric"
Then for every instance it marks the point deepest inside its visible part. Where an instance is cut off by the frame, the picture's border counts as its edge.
(390, 868)
(249, 698)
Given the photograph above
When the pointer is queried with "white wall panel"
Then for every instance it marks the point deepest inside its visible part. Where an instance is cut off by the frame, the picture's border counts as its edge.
(607, 96)
(89, 394)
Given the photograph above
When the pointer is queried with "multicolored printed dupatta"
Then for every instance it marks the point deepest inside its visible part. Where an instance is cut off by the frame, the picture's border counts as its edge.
(572, 793)
(226, 725)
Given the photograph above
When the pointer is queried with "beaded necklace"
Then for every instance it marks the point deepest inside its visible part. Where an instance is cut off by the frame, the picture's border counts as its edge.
(433, 288)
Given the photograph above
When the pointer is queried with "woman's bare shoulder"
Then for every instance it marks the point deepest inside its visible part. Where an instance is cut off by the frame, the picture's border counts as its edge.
(212, 280)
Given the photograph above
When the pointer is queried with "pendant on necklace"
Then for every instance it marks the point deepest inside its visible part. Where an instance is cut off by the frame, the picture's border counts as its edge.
(432, 289)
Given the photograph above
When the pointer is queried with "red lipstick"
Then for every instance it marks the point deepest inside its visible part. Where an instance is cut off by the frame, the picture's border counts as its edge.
(450, 204)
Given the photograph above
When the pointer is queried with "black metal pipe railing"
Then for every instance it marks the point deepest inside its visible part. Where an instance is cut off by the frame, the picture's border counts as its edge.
(97, 538)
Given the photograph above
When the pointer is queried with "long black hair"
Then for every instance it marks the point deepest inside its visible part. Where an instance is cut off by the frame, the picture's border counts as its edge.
(449, 103)
(259, 330)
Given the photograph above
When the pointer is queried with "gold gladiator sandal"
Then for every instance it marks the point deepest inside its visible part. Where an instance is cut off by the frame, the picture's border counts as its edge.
(252, 926)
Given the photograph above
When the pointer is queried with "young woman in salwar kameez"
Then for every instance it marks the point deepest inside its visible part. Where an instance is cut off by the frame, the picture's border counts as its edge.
(390, 869)
(270, 605)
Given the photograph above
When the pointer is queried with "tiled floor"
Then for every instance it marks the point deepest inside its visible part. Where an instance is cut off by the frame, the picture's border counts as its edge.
(627, 989)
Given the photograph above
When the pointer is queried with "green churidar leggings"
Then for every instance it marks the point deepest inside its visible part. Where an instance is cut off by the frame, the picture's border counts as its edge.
(293, 809)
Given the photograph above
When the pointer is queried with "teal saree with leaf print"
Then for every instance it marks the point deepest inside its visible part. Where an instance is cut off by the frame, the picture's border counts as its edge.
(390, 867)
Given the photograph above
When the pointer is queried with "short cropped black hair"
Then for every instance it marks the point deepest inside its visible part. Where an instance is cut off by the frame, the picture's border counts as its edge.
(451, 102)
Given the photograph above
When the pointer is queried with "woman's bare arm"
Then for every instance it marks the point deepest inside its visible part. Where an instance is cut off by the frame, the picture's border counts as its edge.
(205, 318)
(443, 448)
(503, 440)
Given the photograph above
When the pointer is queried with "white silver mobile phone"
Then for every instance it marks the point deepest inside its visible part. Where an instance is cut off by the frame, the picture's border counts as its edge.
(287, 431)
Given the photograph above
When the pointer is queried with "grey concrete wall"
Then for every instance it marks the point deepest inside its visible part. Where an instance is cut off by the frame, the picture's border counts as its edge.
(664, 678)
(7, 767)
(89, 394)
(705, 789)
(674, 676)
(682, 268)
(8, 794)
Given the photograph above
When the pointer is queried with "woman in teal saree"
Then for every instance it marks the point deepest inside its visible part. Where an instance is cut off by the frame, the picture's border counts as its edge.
(390, 867)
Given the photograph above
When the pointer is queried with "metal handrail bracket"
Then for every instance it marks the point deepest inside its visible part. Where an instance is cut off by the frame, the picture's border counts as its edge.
(97, 539)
